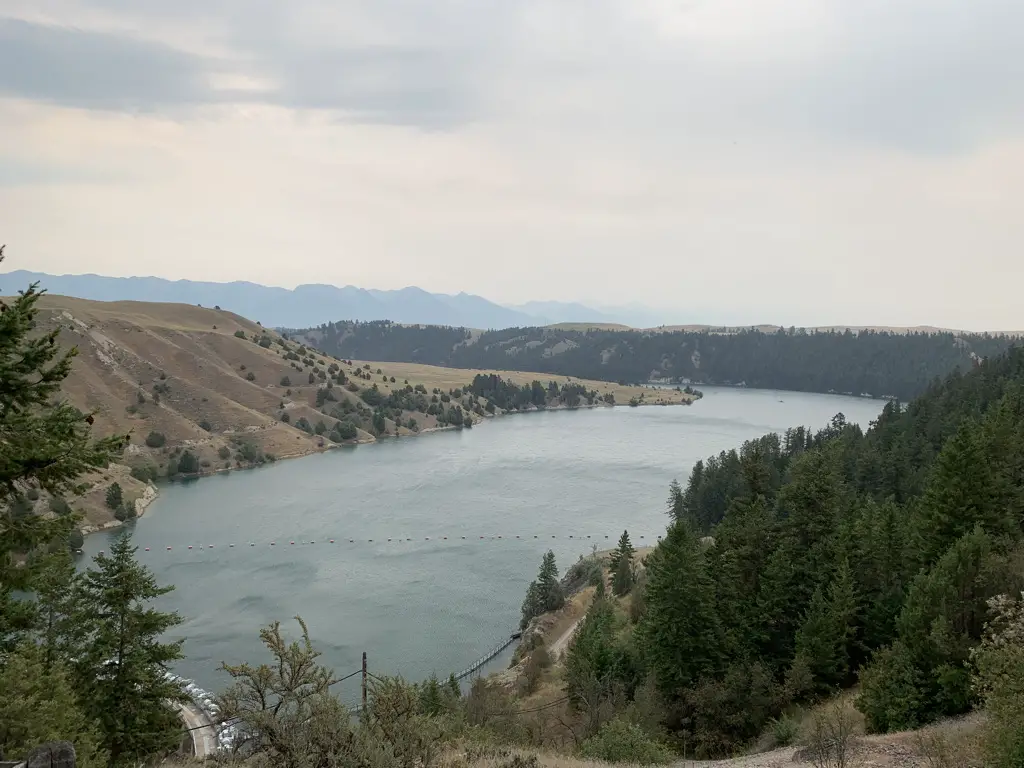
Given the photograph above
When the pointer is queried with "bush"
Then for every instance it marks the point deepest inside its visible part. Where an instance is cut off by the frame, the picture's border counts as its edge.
(784, 730)
(155, 440)
(75, 539)
(265, 342)
(343, 430)
(1000, 681)
(286, 417)
(60, 506)
(204, 424)
(285, 381)
(250, 376)
(623, 742)
(144, 474)
(32, 494)
(223, 452)
(239, 334)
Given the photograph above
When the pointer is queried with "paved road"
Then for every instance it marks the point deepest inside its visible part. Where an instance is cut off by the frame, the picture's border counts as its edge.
(204, 736)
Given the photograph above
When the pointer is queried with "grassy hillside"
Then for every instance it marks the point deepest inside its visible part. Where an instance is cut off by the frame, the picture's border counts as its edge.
(201, 390)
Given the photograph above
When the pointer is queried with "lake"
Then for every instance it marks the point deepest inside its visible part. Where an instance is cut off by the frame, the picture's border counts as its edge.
(421, 604)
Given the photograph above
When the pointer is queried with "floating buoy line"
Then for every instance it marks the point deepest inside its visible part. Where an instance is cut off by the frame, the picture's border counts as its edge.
(392, 540)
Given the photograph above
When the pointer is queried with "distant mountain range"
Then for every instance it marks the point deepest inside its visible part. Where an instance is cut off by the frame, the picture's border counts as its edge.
(311, 305)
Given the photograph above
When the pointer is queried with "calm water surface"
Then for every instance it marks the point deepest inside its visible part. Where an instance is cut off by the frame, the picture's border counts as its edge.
(421, 606)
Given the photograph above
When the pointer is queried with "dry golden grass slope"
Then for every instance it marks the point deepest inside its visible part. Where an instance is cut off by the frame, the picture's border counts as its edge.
(199, 377)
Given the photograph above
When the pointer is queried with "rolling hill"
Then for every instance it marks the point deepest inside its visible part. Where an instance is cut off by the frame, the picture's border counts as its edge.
(201, 390)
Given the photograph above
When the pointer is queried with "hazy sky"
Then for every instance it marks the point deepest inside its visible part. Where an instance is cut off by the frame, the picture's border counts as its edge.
(792, 161)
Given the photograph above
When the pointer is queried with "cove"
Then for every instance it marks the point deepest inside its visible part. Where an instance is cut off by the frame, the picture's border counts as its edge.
(420, 606)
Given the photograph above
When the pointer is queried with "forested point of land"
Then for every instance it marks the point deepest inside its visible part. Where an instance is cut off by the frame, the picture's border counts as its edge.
(872, 363)
(892, 559)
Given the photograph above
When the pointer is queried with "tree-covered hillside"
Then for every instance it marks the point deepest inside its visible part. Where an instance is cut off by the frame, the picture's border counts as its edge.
(836, 557)
(871, 363)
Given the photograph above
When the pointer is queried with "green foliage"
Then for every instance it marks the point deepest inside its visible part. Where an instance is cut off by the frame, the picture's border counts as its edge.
(239, 334)
(45, 444)
(114, 496)
(188, 463)
(223, 452)
(38, 705)
(59, 505)
(145, 474)
(826, 637)
(545, 594)
(621, 566)
(156, 440)
(205, 424)
(620, 741)
(250, 376)
(999, 681)
(120, 665)
(680, 633)
(285, 381)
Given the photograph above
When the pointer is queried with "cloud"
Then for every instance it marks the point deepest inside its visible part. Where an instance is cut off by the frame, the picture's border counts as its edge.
(95, 70)
(796, 161)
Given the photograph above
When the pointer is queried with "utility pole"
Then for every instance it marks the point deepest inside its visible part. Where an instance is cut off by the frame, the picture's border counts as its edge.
(364, 684)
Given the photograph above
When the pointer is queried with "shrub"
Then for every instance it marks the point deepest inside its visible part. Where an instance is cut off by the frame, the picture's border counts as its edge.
(250, 376)
(265, 342)
(372, 396)
(343, 430)
(60, 506)
(304, 425)
(204, 424)
(1000, 681)
(286, 417)
(155, 440)
(32, 494)
(240, 334)
(141, 397)
(784, 730)
(623, 742)
(144, 474)
(285, 381)
(223, 452)
(312, 378)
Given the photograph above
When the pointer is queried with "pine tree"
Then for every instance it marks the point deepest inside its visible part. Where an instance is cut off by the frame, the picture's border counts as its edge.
(121, 670)
(676, 502)
(960, 495)
(533, 605)
(114, 496)
(551, 593)
(60, 622)
(38, 705)
(43, 445)
(680, 632)
(622, 579)
(824, 640)
(590, 657)
(623, 549)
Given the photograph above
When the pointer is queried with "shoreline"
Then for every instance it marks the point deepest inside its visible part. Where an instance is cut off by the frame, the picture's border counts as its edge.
(153, 490)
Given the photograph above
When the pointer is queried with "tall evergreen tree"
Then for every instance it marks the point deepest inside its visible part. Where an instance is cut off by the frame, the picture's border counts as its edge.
(824, 640)
(44, 444)
(960, 495)
(680, 632)
(621, 565)
(676, 501)
(551, 593)
(121, 670)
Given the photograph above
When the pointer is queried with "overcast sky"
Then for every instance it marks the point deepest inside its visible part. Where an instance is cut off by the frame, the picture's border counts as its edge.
(791, 161)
